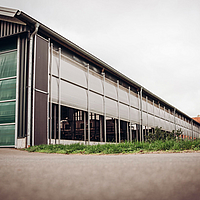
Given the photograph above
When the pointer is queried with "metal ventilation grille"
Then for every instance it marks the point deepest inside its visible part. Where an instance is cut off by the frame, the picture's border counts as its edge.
(9, 28)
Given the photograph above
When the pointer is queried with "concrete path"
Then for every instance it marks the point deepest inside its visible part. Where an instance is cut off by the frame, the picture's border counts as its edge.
(27, 176)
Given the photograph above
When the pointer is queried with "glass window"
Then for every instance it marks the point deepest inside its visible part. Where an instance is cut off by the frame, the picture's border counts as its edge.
(7, 135)
(8, 64)
(7, 89)
(7, 112)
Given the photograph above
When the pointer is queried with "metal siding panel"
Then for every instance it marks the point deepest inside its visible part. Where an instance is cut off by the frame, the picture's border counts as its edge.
(111, 108)
(150, 108)
(134, 115)
(55, 83)
(96, 83)
(96, 103)
(144, 105)
(123, 95)
(156, 109)
(111, 89)
(73, 96)
(124, 112)
(144, 119)
(150, 120)
(55, 66)
(41, 70)
(40, 119)
(74, 72)
(157, 122)
(134, 101)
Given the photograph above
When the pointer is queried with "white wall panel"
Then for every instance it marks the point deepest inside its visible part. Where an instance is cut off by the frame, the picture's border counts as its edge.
(123, 95)
(74, 72)
(111, 89)
(73, 96)
(157, 122)
(144, 105)
(55, 66)
(96, 103)
(156, 111)
(111, 108)
(144, 119)
(124, 112)
(150, 120)
(134, 100)
(96, 83)
(134, 115)
(162, 113)
(150, 108)
(55, 89)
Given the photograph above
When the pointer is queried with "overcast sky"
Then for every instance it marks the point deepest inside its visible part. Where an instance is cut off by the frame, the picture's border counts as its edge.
(154, 42)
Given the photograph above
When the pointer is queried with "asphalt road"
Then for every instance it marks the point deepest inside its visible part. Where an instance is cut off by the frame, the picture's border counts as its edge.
(27, 176)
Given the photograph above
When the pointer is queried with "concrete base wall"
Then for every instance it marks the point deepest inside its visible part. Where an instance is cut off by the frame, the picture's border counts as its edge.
(21, 143)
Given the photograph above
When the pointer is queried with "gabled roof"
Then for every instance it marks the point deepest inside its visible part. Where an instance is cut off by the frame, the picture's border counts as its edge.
(9, 12)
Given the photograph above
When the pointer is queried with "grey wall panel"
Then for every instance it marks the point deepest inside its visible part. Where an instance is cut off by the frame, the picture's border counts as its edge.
(135, 115)
(134, 100)
(41, 65)
(111, 89)
(150, 120)
(74, 72)
(73, 96)
(144, 119)
(111, 108)
(144, 105)
(96, 83)
(167, 116)
(96, 103)
(162, 113)
(55, 83)
(123, 95)
(157, 122)
(150, 108)
(55, 66)
(124, 112)
(40, 119)
(156, 111)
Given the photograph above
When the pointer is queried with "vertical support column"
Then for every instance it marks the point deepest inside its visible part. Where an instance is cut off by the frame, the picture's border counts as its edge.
(55, 123)
(130, 131)
(88, 101)
(101, 127)
(118, 110)
(104, 105)
(141, 123)
(127, 130)
(49, 85)
(59, 96)
(165, 121)
(138, 129)
(175, 119)
(147, 115)
(153, 116)
(159, 114)
(17, 87)
(33, 108)
(192, 129)
(50, 104)
(84, 126)
(116, 130)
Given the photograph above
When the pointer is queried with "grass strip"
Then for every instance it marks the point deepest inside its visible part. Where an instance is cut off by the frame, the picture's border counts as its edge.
(126, 147)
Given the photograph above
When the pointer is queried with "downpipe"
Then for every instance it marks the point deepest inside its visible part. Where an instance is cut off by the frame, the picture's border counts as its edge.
(30, 84)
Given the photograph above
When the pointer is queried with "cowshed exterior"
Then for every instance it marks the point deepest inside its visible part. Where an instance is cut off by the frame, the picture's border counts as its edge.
(53, 91)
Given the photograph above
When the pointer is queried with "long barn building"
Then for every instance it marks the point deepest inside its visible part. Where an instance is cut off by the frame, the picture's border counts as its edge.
(53, 91)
